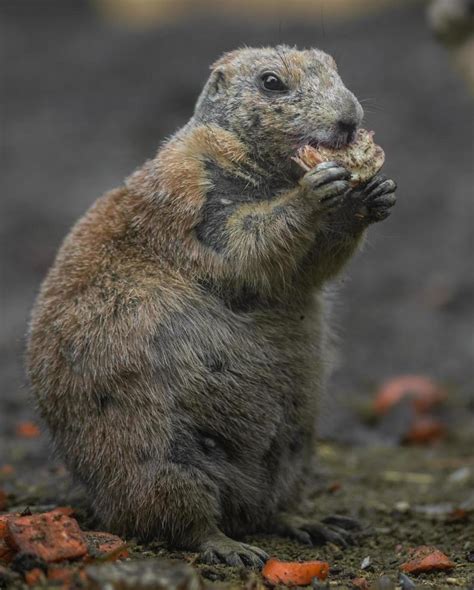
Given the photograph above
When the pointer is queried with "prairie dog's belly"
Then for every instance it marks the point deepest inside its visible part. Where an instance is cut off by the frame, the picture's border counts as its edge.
(244, 410)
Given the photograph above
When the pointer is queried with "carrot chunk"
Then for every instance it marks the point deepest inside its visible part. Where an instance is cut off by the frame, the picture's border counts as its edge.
(426, 559)
(27, 429)
(423, 391)
(294, 573)
(4, 518)
(425, 429)
(106, 545)
(51, 536)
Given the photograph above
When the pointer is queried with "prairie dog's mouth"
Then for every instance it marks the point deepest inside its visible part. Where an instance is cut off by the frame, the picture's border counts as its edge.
(333, 142)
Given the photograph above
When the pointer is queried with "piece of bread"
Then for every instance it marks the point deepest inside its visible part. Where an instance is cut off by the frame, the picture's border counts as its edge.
(363, 157)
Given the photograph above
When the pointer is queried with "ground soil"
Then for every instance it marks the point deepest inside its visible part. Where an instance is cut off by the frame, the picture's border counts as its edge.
(404, 496)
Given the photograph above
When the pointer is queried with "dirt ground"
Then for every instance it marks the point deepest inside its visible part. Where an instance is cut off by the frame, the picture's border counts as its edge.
(403, 496)
(84, 102)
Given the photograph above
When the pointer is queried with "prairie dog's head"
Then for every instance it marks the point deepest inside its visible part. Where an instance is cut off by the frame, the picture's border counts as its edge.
(278, 98)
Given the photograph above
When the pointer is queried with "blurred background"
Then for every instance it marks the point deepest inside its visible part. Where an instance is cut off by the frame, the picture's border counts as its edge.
(90, 89)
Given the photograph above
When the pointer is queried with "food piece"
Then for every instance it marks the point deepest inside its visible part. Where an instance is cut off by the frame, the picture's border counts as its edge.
(423, 391)
(27, 429)
(294, 573)
(425, 429)
(34, 577)
(4, 519)
(106, 546)
(426, 559)
(51, 536)
(363, 157)
(66, 510)
(6, 469)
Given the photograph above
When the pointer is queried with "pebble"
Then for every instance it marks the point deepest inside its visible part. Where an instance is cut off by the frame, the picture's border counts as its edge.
(460, 475)
(383, 583)
(406, 583)
(150, 574)
(366, 563)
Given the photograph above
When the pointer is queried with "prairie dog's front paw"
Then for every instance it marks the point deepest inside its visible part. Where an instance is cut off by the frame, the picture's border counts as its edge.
(376, 199)
(327, 184)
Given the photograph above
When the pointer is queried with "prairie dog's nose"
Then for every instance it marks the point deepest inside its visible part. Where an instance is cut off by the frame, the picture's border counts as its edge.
(347, 129)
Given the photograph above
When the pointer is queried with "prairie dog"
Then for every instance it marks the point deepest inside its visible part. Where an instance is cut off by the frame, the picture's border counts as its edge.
(178, 346)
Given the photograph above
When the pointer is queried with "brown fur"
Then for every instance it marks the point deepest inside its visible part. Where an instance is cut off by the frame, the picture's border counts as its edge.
(178, 346)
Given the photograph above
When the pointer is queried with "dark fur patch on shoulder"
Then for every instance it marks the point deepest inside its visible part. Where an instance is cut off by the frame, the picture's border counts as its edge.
(228, 192)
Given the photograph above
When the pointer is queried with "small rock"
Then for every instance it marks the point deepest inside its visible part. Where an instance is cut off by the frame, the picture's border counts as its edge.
(366, 563)
(24, 562)
(150, 574)
(360, 584)
(7, 577)
(406, 583)
(383, 583)
(69, 577)
(402, 507)
(460, 475)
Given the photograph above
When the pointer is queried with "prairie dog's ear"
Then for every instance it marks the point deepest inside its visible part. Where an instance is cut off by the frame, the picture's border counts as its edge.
(220, 72)
(216, 83)
(212, 91)
(326, 58)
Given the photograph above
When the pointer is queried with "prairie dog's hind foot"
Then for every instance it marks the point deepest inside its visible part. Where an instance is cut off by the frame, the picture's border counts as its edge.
(339, 530)
(222, 549)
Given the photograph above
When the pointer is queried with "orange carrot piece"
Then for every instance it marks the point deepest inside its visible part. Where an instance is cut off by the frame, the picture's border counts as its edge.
(34, 577)
(51, 536)
(27, 429)
(424, 392)
(6, 469)
(4, 518)
(425, 429)
(293, 573)
(65, 510)
(426, 559)
(106, 545)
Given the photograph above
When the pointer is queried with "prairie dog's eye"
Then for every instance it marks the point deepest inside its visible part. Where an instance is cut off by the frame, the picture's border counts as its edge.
(273, 83)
